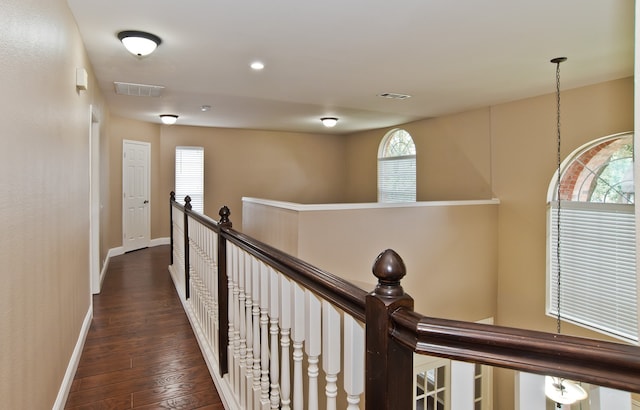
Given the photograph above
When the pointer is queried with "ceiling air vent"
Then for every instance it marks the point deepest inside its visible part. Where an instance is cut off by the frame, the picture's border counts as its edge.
(138, 90)
(394, 96)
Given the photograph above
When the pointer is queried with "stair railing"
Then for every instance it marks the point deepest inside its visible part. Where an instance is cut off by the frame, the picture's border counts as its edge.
(261, 315)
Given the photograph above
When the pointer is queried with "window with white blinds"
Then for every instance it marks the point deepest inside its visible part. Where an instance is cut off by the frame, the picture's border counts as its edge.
(597, 266)
(397, 168)
(397, 179)
(189, 179)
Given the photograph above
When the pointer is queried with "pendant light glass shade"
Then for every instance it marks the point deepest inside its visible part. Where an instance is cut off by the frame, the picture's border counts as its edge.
(139, 43)
(563, 391)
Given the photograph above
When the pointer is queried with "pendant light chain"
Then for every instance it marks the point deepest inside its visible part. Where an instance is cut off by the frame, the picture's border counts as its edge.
(557, 61)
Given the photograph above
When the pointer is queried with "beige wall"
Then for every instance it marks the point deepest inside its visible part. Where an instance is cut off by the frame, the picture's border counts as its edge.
(453, 158)
(524, 158)
(512, 157)
(440, 243)
(44, 208)
(305, 168)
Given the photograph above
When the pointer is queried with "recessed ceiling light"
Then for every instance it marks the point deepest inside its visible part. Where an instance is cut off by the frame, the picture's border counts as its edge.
(204, 108)
(257, 65)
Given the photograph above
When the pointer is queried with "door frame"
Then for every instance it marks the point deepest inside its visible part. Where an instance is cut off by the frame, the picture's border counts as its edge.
(94, 201)
(147, 145)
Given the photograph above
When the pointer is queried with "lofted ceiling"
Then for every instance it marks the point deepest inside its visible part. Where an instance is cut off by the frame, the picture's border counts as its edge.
(333, 58)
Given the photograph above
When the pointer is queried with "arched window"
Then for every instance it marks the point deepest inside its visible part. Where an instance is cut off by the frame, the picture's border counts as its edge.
(397, 167)
(597, 239)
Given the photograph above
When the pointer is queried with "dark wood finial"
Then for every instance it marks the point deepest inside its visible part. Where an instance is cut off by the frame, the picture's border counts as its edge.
(224, 216)
(389, 269)
(187, 202)
(172, 195)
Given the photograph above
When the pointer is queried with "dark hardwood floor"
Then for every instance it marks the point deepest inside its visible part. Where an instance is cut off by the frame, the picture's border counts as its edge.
(140, 352)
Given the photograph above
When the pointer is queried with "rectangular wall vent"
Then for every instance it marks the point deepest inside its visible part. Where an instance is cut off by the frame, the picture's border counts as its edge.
(138, 90)
(394, 96)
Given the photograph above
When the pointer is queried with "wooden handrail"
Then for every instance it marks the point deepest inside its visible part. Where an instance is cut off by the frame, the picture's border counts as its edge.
(332, 288)
(339, 292)
(602, 363)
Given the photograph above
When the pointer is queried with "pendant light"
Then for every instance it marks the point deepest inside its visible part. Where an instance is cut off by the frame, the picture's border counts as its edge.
(558, 389)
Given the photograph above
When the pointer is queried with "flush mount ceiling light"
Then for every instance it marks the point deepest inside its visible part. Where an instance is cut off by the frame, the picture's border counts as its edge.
(329, 121)
(139, 43)
(168, 119)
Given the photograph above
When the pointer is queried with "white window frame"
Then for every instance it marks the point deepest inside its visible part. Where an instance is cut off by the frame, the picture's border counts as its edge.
(189, 176)
(396, 174)
(598, 276)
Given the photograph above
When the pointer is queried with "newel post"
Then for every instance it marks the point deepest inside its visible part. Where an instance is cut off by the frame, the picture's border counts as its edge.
(223, 287)
(172, 198)
(187, 208)
(388, 365)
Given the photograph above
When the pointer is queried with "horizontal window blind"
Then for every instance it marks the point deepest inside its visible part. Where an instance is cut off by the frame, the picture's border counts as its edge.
(397, 179)
(190, 176)
(597, 267)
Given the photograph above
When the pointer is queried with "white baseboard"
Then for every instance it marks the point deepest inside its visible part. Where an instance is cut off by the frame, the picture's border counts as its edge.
(65, 388)
(103, 272)
(160, 241)
(115, 252)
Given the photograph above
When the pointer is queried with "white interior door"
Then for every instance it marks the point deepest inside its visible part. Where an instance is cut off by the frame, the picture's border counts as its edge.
(136, 230)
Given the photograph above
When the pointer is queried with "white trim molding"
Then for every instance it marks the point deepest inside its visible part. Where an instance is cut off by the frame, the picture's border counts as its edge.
(65, 387)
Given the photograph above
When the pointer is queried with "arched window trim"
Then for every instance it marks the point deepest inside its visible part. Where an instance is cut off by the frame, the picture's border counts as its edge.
(553, 186)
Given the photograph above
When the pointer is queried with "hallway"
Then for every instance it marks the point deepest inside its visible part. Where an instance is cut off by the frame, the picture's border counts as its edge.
(140, 352)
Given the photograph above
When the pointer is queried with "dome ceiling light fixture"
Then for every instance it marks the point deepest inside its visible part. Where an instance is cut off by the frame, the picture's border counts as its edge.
(139, 43)
(168, 119)
(329, 122)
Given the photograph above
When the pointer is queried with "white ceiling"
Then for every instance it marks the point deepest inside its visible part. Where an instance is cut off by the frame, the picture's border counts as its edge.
(332, 57)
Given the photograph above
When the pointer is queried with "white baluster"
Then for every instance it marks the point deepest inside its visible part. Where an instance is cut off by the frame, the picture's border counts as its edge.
(256, 332)
(285, 330)
(297, 334)
(274, 360)
(242, 348)
(231, 314)
(264, 339)
(353, 361)
(214, 292)
(331, 351)
(312, 346)
(249, 315)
